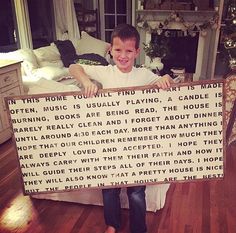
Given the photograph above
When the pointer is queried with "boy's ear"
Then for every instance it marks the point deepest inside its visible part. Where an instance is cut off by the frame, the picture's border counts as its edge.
(137, 52)
(109, 48)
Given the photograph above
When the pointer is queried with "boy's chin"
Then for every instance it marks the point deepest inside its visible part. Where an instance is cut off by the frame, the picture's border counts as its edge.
(124, 67)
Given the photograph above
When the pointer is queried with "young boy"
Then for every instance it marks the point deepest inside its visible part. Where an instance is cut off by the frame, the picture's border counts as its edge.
(124, 50)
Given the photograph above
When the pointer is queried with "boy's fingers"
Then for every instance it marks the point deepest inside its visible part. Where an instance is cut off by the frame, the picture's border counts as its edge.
(162, 84)
(90, 90)
(94, 90)
(171, 80)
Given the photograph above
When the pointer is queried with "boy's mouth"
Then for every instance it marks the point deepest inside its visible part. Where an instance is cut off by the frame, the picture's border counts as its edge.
(123, 62)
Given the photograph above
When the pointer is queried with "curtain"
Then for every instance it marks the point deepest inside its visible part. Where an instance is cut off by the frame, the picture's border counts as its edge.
(65, 20)
(23, 24)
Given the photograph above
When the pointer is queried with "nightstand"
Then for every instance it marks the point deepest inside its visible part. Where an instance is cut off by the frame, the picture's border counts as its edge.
(10, 84)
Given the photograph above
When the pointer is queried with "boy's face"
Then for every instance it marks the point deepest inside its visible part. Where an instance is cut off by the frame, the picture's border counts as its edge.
(124, 53)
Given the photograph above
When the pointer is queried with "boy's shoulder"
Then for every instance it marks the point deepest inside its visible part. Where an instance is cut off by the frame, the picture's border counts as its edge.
(95, 66)
(142, 69)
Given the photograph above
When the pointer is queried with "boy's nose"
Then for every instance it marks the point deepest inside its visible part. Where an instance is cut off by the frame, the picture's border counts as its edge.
(123, 54)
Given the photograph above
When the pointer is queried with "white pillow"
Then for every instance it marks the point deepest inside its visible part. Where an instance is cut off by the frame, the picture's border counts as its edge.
(48, 56)
(56, 63)
(50, 73)
(29, 60)
(89, 44)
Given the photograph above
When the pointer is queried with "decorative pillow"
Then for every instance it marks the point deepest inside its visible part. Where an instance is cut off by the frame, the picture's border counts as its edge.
(56, 63)
(48, 56)
(50, 73)
(67, 51)
(91, 59)
(89, 44)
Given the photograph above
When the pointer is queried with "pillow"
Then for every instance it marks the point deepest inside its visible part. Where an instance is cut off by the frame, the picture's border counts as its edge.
(56, 63)
(89, 44)
(50, 73)
(67, 51)
(29, 60)
(48, 56)
(91, 59)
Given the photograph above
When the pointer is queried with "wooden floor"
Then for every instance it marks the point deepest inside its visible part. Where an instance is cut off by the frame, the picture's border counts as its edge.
(198, 207)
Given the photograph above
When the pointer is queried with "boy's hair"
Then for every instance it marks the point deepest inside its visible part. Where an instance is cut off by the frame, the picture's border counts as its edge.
(124, 32)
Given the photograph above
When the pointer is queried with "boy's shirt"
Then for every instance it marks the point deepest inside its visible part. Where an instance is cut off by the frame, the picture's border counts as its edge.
(111, 77)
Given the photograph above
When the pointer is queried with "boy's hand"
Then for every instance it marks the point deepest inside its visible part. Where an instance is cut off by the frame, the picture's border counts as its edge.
(77, 71)
(90, 89)
(164, 82)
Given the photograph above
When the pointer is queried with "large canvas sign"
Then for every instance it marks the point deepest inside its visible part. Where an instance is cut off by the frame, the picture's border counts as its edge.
(119, 137)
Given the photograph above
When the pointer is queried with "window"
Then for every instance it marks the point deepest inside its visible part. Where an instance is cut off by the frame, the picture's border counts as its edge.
(8, 32)
(41, 22)
(16, 21)
(113, 12)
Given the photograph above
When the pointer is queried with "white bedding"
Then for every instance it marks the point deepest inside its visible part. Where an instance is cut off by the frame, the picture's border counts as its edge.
(50, 86)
